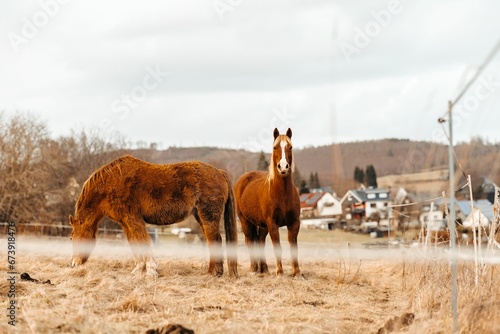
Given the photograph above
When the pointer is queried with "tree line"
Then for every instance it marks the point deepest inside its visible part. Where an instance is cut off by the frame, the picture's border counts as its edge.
(367, 177)
(41, 177)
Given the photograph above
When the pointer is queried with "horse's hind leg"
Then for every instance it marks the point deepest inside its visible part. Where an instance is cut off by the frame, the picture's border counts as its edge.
(140, 242)
(250, 232)
(214, 242)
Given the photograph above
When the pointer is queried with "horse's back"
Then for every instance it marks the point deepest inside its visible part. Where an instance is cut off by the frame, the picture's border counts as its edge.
(249, 180)
(160, 193)
(138, 175)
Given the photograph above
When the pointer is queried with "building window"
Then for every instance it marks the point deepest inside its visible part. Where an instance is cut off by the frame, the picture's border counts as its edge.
(373, 205)
(382, 195)
(371, 196)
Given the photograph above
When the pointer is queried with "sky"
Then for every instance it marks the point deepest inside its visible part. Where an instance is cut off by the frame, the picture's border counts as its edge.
(227, 72)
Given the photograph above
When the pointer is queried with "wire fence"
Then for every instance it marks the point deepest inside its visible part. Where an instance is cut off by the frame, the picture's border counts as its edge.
(43, 229)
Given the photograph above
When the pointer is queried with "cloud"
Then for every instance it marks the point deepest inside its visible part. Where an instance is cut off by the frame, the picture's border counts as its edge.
(227, 77)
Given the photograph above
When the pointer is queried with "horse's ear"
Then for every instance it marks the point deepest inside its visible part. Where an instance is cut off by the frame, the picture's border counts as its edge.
(276, 133)
(71, 220)
(289, 133)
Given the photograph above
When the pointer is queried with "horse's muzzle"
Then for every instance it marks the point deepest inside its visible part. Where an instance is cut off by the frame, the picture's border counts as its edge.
(284, 173)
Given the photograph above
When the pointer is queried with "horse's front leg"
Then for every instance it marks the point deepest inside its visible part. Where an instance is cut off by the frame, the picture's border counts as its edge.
(144, 259)
(275, 237)
(140, 243)
(261, 245)
(293, 231)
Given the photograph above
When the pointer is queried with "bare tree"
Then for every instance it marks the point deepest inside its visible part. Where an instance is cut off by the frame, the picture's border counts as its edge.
(41, 177)
(24, 172)
(73, 159)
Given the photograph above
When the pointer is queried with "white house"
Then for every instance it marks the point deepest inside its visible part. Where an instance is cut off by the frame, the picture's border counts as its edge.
(363, 203)
(482, 215)
(476, 218)
(433, 220)
(319, 204)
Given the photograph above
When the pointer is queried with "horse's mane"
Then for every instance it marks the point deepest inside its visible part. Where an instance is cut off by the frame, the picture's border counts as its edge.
(99, 175)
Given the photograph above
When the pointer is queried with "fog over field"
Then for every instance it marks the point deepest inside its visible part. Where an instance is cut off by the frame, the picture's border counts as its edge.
(344, 288)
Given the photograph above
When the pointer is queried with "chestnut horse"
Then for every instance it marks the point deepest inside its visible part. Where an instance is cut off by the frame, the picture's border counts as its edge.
(266, 201)
(133, 192)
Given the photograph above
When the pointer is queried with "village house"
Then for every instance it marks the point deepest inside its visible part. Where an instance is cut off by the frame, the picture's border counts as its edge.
(319, 204)
(432, 217)
(487, 191)
(482, 214)
(363, 204)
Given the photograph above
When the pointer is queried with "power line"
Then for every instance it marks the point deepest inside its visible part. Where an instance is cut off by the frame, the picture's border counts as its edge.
(480, 69)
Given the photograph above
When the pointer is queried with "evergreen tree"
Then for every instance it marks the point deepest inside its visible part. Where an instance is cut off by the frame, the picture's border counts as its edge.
(359, 175)
(314, 180)
(371, 176)
(263, 164)
(297, 177)
(303, 188)
(311, 181)
(317, 184)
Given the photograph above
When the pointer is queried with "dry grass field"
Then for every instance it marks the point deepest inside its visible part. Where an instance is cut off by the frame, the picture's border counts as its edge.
(344, 289)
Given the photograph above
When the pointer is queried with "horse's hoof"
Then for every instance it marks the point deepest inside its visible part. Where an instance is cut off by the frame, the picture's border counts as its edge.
(151, 273)
(139, 268)
(216, 273)
(264, 270)
(233, 273)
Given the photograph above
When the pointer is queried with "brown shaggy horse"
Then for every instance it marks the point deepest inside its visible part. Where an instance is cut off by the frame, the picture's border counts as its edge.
(133, 192)
(266, 201)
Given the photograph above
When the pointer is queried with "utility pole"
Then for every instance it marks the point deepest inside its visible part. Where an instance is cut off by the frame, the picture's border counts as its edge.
(451, 162)
(452, 223)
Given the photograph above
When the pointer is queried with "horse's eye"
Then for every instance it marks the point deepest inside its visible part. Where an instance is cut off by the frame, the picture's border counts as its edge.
(291, 147)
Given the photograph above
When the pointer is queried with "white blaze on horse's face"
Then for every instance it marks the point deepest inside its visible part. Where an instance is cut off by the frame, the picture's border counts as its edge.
(283, 145)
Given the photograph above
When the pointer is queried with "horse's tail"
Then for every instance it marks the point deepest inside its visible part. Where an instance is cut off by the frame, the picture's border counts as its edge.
(231, 230)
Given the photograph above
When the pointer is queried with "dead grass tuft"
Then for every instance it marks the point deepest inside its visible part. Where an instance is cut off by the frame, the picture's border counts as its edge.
(397, 323)
(132, 302)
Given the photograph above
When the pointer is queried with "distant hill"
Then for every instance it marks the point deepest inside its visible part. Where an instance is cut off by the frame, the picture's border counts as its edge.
(335, 163)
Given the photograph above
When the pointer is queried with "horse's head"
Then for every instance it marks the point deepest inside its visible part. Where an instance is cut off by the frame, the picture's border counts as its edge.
(282, 153)
(83, 241)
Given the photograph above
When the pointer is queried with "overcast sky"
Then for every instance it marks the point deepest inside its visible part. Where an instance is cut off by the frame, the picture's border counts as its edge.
(226, 72)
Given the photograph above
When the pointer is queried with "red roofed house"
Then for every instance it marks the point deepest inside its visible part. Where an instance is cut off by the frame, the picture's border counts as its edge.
(319, 204)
